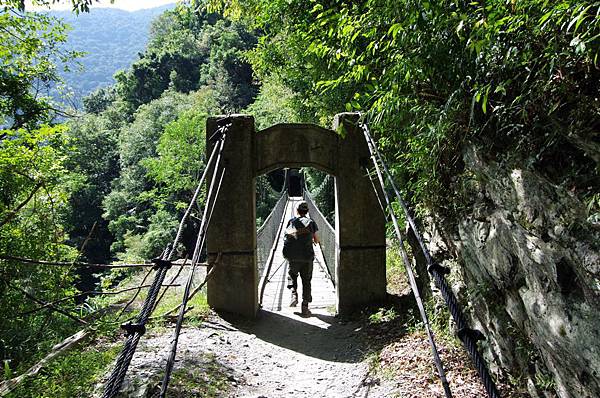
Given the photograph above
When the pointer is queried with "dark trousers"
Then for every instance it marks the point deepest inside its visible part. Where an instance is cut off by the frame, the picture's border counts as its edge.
(305, 269)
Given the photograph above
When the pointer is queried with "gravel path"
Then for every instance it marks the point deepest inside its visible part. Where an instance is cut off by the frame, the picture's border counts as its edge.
(281, 354)
(277, 355)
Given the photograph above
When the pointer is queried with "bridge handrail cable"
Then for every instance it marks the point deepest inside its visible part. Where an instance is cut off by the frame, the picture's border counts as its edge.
(136, 330)
(326, 233)
(468, 336)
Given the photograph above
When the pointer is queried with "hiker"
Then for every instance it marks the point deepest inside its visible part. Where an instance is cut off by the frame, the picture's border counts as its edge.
(300, 236)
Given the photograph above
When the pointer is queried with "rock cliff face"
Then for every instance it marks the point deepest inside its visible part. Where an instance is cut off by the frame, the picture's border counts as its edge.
(527, 262)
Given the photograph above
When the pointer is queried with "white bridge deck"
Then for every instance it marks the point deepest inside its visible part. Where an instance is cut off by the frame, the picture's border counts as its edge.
(276, 296)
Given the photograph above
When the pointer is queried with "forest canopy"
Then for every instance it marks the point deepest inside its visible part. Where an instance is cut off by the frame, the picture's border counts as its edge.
(432, 76)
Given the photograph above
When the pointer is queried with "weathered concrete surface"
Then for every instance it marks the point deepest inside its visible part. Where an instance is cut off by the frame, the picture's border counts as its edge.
(232, 232)
(360, 223)
(529, 267)
(295, 146)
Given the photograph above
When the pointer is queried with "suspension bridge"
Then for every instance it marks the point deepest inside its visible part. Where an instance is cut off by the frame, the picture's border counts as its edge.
(246, 271)
(274, 296)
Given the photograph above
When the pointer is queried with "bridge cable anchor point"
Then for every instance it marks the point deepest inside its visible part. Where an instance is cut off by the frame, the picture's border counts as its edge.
(133, 328)
(161, 263)
(437, 268)
(472, 334)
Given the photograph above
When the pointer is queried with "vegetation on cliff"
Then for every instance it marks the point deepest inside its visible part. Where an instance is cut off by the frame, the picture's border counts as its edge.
(520, 78)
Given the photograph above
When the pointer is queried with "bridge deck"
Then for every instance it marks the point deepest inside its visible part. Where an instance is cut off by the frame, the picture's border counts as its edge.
(277, 297)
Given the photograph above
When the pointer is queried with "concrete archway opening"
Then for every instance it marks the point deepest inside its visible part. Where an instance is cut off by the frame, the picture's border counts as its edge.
(360, 224)
(275, 205)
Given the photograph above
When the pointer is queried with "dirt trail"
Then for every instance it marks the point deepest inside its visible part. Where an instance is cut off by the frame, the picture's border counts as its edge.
(282, 354)
(286, 354)
(277, 355)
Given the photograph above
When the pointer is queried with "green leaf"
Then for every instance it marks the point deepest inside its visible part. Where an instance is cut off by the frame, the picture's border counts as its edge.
(546, 16)
(485, 99)
(394, 29)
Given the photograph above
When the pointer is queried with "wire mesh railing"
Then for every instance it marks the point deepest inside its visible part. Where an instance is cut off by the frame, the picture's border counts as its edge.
(324, 195)
(326, 236)
(267, 233)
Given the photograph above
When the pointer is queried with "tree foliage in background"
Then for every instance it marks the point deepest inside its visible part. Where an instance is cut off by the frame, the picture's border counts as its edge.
(188, 49)
(131, 201)
(276, 103)
(35, 186)
(193, 66)
(34, 190)
(110, 40)
(519, 77)
(93, 156)
(119, 174)
(30, 57)
(320, 185)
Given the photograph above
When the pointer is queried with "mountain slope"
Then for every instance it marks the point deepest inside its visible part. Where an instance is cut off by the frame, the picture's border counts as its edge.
(111, 38)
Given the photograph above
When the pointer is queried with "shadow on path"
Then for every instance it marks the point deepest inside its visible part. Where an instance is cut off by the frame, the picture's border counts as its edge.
(320, 336)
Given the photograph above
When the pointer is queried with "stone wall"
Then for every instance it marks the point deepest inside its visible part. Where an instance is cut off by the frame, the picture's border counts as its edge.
(526, 264)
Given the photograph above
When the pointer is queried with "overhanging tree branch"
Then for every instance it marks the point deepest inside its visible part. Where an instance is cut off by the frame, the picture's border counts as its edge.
(48, 305)
(14, 212)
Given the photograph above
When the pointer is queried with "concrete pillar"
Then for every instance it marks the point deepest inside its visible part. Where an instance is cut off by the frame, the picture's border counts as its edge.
(359, 222)
(232, 231)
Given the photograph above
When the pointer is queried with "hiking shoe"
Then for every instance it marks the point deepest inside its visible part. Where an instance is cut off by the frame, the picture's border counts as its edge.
(294, 301)
(305, 310)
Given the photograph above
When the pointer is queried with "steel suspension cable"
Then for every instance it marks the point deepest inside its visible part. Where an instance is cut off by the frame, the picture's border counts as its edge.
(198, 249)
(200, 242)
(381, 205)
(412, 280)
(468, 336)
(173, 353)
(136, 330)
(193, 200)
(207, 216)
(68, 263)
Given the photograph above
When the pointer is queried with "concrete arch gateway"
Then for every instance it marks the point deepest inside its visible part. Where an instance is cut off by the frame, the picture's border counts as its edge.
(360, 224)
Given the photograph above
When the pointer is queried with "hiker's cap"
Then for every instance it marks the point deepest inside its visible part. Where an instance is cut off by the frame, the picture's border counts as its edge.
(302, 206)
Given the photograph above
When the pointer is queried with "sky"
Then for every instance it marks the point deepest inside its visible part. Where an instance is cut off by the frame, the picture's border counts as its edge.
(128, 5)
